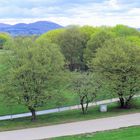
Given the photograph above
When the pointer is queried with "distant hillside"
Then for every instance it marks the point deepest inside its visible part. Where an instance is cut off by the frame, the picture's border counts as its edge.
(35, 28)
(2, 25)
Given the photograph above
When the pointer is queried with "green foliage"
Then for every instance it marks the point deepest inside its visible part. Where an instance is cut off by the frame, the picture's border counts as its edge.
(97, 41)
(72, 43)
(51, 36)
(86, 86)
(123, 31)
(134, 39)
(4, 38)
(119, 64)
(88, 30)
(37, 63)
(31, 67)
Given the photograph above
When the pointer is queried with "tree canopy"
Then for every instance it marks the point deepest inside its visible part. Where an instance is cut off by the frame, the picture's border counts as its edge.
(31, 68)
(119, 64)
(3, 39)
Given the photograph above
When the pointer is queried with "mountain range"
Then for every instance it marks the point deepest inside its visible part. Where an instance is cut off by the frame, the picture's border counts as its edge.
(23, 29)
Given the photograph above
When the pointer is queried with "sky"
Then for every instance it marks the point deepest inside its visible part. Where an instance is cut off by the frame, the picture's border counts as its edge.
(66, 12)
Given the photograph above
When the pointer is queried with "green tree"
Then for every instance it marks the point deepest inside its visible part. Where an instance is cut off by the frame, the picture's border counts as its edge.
(123, 31)
(86, 87)
(72, 43)
(134, 39)
(51, 36)
(3, 39)
(97, 41)
(31, 68)
(119, 64)
(89, 30)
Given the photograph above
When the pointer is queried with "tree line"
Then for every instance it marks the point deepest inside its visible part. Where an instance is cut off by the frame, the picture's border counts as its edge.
(87, 59)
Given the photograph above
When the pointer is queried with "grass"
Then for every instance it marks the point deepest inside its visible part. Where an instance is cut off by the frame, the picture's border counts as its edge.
(130, 133)
(6, 109)
(64, 117)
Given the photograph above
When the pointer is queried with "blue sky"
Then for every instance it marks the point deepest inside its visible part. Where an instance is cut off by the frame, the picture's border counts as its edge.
(65, 12)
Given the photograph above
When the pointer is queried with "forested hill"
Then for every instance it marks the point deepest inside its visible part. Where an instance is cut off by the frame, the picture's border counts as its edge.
(35, 28)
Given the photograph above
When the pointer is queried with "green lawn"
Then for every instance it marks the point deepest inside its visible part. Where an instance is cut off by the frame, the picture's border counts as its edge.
(5, 109)
(130, 133)
(15, 109)
(66, 116)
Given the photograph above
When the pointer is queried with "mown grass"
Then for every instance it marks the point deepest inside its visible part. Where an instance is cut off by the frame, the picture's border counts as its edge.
(130, 133)
(65, 117)
(6, 109)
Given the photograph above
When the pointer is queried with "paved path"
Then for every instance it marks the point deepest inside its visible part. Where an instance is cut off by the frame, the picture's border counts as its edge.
(49, 111)
(72, 128)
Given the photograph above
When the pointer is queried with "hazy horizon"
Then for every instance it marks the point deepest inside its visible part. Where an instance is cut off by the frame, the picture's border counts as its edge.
(80, 12)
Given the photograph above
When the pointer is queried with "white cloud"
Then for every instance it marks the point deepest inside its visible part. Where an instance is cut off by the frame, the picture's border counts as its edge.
(134, 11)
(107, 12)
(114, 4)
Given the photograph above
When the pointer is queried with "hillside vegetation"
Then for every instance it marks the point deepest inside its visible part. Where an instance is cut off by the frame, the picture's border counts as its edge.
(73, 65)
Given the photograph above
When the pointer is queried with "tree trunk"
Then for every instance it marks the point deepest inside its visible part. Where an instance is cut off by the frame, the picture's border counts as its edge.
(87, 101)
(82, 104)
(71, 67)
(32, 110)
(83, 109)
(86, 107)
(127, 101)
(122, 102)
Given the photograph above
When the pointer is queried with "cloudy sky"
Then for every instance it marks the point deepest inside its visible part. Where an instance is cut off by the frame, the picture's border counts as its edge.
(65, 12)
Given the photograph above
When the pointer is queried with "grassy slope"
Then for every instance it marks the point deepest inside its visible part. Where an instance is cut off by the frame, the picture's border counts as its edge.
(130, 133)
(64, 117)
(15, 109)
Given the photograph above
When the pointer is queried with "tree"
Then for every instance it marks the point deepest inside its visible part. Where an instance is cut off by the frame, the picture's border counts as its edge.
(119, 64)
(85, 85)
(59, 88)
(123, 31)
(3, 39)
(31, 68)
(72, 43)
(51, 36)
(97, 41)
(134, 39)
(89, 30)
